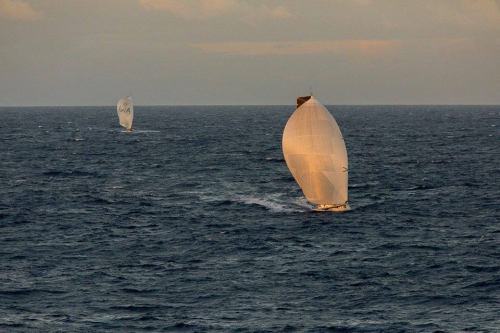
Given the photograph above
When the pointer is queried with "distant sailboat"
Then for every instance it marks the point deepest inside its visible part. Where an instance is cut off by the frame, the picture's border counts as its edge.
(316, 155)
(125, 110)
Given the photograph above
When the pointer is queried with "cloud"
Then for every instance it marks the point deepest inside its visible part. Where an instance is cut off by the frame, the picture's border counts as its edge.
(467, 15)
(480, 13)
(17, 11)
(359, 47)
(356, 49)
(206, 9)
(364, 2)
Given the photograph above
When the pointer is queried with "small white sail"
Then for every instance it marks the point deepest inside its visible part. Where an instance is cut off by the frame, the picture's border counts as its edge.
(125, 110)
(316, 155)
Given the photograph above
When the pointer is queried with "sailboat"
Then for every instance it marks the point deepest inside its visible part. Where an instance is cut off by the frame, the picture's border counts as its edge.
(316, 155)
(125, 110)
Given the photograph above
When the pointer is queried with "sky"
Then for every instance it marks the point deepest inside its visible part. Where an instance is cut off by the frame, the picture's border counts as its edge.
(247, 52)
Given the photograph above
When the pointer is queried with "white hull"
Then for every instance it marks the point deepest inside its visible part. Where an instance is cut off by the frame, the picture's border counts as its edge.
(332, 208)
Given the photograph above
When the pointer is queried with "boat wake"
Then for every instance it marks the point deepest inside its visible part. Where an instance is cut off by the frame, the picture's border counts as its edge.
(272, 203)
(146, 131)
(278, 202)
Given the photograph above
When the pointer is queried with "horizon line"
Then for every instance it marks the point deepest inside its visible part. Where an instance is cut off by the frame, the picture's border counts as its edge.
(293, 104)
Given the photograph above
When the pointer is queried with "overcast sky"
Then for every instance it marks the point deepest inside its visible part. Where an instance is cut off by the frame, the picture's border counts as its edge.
(196, 52)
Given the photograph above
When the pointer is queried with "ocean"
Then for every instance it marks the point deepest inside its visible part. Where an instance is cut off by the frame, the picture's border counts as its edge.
(193, 223)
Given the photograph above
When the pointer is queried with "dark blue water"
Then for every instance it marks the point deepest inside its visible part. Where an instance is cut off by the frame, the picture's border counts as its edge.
(193, 223)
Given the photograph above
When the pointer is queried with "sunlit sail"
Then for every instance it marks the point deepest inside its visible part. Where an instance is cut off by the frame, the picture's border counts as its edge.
(316, 155)
(125, 110)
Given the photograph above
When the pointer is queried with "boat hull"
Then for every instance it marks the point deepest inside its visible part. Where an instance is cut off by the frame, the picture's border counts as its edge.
(332, 208)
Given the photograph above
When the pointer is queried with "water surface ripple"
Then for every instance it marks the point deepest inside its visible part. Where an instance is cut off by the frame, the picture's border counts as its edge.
(193, 222)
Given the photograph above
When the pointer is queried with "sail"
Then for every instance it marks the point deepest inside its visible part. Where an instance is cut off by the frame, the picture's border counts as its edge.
(302, 100)
(315, 153)
(125, 110)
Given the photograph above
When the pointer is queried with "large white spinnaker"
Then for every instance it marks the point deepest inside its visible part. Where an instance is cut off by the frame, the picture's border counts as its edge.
(125, 110)
(316, 155)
